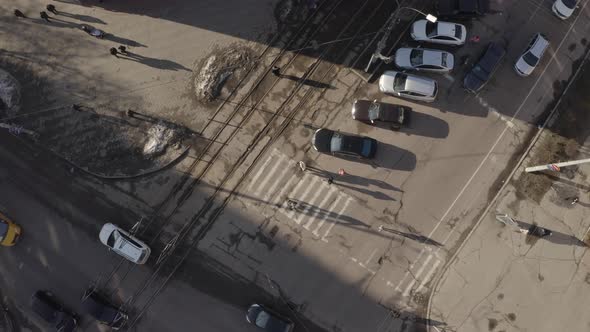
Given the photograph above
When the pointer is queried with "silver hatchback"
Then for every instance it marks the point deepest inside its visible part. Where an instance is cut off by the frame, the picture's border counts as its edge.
(408, 86)
(424, 59)
(532, 55)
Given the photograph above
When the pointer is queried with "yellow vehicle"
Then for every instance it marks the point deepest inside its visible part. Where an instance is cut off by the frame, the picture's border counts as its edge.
(9, 231)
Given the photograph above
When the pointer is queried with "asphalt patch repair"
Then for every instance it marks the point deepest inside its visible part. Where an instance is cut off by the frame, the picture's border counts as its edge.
(562, 141)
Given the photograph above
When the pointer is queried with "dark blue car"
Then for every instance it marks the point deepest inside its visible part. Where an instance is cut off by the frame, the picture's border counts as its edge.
(268, 320)
(483, 70)
(329, 141)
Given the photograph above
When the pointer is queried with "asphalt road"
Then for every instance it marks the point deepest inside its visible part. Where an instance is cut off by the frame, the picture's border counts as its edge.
(60, 252)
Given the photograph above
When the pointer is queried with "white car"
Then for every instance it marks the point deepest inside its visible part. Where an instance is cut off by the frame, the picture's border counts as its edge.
(564, 8)
(408, 86)
(424, 59)
(439, 32)
(124, 243)
(531, 56)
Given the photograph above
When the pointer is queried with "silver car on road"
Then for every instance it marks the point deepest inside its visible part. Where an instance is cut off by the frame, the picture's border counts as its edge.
(424, 59)
(408, 86)
(124, 243)
(440, 32)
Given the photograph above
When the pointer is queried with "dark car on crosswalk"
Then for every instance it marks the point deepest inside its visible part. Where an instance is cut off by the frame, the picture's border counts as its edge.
(337, 143)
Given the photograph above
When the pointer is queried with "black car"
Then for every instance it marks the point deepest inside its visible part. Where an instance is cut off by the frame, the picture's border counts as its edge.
(329, 141)
(47, 307)
(462, 8)
(105, 313)
(483, 70)
(374, 111)
(268, 320)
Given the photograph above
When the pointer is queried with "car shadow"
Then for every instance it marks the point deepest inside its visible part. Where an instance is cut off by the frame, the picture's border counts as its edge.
(393, 157)
(420, 124)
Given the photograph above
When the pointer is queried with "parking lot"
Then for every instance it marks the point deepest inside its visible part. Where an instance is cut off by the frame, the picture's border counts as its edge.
(356, 253)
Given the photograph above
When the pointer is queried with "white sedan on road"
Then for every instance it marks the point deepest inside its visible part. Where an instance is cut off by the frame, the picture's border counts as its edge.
(439, 32)
(564, 8)
(124, 243)
(424, 59)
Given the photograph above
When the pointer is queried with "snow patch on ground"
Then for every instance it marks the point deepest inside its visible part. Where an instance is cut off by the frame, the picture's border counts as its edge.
(9, 94)
(159, 136)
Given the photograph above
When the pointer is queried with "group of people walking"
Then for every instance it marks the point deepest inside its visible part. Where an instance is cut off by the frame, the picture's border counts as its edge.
(43, 14)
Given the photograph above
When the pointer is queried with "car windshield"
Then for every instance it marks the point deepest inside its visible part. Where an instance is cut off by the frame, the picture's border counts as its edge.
(336, 142)
(112, 238)
(130, 240)
(3, 229)
(431, 28)
(262, 319)
(457, 31)
(399, 83)
(569, 3)
(480, 73)
(374, 111)
(530, 59)
(416, 57)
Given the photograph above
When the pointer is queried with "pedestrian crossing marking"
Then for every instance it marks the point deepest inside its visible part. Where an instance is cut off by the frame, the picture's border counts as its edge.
(317, 202)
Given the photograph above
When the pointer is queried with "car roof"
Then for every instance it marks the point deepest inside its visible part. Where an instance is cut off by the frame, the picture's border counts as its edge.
(99, 308)
(420, 84)
(322, 139)
(540, 44)
(445, 28)
(491, 57)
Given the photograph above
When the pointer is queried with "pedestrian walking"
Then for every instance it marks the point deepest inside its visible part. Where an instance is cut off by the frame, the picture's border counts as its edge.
(51, 9)
(575, 200)
(114, 52)
(122, 49)
(276, 71)
(292, 204)
(330, 179)
(44, 16)
(18, 13)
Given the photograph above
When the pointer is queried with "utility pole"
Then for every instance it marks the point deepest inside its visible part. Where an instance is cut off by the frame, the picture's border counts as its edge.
(556, 166)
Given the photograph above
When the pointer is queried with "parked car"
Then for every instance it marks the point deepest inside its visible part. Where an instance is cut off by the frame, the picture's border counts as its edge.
(124, 243)
(47, 307)
(408, 86)
(564, 8)
(423, 59)
(462, 8)
(373, 112)
(9, 231)
(483, 70)
(105, 313)
(329, 141)
(531, 56)
(439, 32)
(268, 320)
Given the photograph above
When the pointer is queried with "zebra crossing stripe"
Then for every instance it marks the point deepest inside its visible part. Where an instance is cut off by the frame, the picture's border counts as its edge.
(261, 169)
(269, 174)
(302, 198)
(278, 181)
(309, 204)
(411, 284)
(285, 188)
(319, 209)
(336, 219)
(296, 190)
(326, 215)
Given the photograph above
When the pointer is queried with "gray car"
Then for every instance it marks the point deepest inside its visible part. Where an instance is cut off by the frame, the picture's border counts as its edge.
(408, 86)
(424, 59)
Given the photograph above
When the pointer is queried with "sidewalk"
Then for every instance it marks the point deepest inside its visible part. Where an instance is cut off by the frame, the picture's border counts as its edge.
(504, 280)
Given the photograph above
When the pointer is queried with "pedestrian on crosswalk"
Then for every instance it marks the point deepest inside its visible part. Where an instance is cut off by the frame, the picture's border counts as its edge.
(114, 52)
(330, 179)
(292, 204)
(52, 9)
(276, 70)
(44, 16)
(18, 13)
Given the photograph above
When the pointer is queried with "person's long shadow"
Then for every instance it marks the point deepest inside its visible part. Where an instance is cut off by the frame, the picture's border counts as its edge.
(412, 236)
(152, 62)
(121, 40)
(309, 82)
(374, 194)
(555, 237)
(79, 17)
(312, 210)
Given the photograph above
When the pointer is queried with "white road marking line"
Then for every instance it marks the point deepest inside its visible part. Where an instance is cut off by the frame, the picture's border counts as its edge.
(417, 276)
(285, 188)
(326, 215)
(302, 198)
(337, 219)
(319, 208)
(428, 275)
(309, 204)
(278, 181)
(261, 169)
(269, 175)
(371, 256)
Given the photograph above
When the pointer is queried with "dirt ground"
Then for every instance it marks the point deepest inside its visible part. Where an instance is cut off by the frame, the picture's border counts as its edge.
(563, 140)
